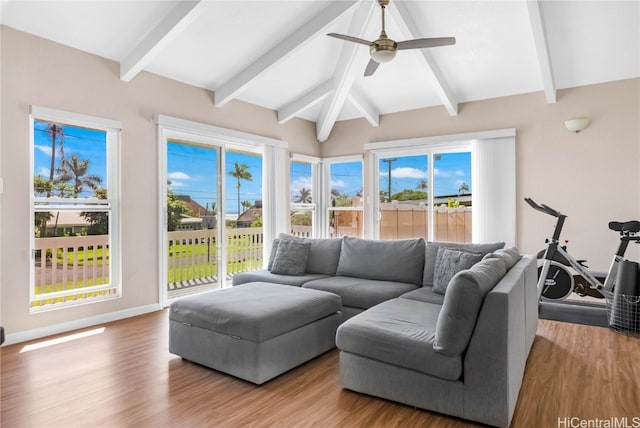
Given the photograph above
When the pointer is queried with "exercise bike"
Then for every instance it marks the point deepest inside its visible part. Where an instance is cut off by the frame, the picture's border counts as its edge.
(556, 282)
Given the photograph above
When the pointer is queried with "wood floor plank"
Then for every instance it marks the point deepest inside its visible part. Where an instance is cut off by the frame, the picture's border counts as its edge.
(125, 377)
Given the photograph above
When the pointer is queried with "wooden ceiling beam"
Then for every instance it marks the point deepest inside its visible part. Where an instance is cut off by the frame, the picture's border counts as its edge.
(281, 50)
(307, 100)
(403, 18)
(536, 19)
(364, 106)
(352, 61)
(179, 18)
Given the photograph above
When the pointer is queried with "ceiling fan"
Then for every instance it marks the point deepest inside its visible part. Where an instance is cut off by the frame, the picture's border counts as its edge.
(384, 49)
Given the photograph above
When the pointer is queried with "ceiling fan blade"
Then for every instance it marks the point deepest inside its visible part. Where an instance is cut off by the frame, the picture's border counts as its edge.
(349, 38)
(371, 68)
(431, 42)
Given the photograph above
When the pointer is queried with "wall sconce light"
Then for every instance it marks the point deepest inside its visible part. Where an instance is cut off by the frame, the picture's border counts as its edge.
(576, 125)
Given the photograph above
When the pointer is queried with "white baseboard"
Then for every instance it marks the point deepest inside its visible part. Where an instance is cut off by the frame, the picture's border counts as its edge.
(64, 327)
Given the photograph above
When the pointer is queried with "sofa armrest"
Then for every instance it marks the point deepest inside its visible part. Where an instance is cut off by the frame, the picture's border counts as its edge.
(497, 353)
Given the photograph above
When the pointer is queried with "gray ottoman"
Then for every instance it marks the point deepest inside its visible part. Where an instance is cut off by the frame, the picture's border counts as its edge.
(254, 331)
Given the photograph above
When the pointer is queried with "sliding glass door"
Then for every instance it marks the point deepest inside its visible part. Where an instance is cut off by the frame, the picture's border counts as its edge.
(192, 218)
(213, 219)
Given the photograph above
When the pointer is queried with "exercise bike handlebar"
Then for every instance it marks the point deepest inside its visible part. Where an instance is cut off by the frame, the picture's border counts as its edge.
(543, 208)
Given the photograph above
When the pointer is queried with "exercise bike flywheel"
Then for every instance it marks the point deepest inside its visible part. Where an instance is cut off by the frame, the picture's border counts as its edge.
(558, 284)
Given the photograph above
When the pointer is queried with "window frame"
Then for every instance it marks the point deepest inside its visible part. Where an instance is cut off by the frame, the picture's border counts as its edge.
(111, 205)
(326, 192)
(426, 150)
(316, 192)
(275, 196)
(494, 146)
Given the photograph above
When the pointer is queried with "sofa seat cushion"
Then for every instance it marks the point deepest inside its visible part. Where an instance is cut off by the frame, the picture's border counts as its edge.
(399, 332)
(263, 275)
(424, 294)
(256, 311)
(400, 260)
(358, 292)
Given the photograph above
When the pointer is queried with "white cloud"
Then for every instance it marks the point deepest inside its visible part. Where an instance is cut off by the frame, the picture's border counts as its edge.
(447, 174)
(299, 183)
(404, 172)
(175, 184)
(178, 175)
(45, 172)
(338, 183)
(44, 149)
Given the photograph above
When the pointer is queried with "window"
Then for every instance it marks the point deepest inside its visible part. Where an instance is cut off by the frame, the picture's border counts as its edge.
(303, 196)
(469, 180)
(425, 195)
(74, 209)
(344, 184)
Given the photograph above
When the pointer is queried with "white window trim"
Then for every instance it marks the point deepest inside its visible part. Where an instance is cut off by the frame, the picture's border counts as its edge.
(274, 187)
(113, 129)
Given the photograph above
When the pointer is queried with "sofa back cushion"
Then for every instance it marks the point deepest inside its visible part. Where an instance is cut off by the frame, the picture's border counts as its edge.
(462, 303)
(431, 253)
(323, 253)
(399, 260)
(511, 256)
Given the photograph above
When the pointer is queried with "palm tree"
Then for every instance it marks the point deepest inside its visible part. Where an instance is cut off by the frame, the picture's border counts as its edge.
(75, 170)
(246, 205)
(240, 172)
(304, 196)
(463, 189)
(54, 132)
(423, 185)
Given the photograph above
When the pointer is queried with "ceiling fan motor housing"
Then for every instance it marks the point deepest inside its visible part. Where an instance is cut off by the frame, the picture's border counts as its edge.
(383, 50)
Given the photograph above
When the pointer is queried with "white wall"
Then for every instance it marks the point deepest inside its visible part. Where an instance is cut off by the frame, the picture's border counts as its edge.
(39, 72)
(592, 176)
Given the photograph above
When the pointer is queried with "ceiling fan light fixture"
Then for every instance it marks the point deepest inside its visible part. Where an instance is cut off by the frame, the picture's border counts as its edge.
(383, 50)
(382, 55)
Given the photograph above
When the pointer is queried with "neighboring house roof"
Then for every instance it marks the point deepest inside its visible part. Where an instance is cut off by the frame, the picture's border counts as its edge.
(250, 215)
(195, 208)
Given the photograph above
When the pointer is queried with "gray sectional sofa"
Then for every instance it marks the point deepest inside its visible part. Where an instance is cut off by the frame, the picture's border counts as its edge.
(440, 326)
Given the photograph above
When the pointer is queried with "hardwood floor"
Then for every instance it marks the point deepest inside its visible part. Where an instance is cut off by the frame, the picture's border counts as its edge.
(123, 376)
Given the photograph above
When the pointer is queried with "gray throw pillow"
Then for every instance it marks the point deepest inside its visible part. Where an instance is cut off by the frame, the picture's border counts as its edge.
(274, 249)
(291, 257)
(462, 303)
(323, 254)
(511, 256)
(448, 263)
(431, 253)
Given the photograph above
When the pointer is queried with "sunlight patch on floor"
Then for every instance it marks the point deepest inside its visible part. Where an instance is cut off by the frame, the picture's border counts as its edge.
(63, 339)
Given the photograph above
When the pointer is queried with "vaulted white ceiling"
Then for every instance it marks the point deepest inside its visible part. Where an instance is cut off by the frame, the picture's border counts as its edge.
(276, 53)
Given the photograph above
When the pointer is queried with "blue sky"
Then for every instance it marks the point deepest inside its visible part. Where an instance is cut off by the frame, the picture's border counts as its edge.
(451, 170)
(86, 143)
(192, 169)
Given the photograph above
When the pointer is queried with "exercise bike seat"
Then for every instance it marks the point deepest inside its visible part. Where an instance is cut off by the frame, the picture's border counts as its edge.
(632, 226)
